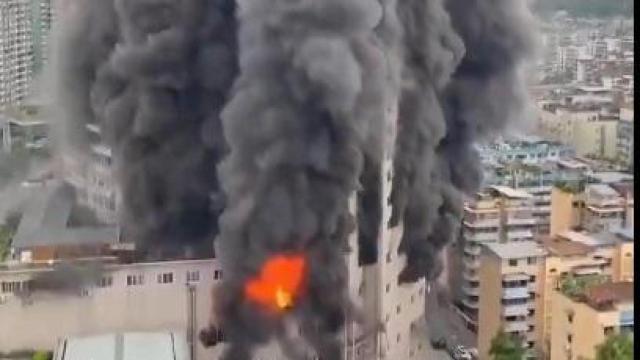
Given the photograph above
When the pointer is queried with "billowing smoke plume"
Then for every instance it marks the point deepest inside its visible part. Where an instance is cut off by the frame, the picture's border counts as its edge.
(462, 84)
(155, 75)
(307, 110)
(291, 99)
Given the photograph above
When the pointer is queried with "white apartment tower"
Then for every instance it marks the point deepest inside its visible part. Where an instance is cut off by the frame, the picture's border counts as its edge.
(399, 308)
(24, 46)
(16, 50)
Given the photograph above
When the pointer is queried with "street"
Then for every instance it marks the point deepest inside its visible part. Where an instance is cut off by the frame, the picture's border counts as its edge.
(442, 321)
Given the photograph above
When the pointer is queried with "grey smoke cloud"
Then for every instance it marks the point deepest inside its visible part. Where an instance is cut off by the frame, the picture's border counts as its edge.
(154, 74)
(463, 60)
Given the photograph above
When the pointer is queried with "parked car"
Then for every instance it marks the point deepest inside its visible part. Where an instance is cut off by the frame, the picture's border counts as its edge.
(438, 343)
(461, 353)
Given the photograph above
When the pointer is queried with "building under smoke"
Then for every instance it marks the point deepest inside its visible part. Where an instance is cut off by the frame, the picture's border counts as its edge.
(271, 127)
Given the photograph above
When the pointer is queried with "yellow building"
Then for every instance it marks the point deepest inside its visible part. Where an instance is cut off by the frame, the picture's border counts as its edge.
(594, 207)
(587, 130)
(582, 322)
(508, 292)
(580, 254)
(565, 208)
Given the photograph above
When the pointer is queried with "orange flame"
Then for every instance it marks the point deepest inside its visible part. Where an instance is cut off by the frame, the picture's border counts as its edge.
(279, 283)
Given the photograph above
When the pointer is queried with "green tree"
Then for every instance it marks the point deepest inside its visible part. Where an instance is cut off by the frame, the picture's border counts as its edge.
(42, 355)
(616, 347)
(506, 347)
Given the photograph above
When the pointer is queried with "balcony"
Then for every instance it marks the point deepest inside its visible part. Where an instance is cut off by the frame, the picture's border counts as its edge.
(484, 223)
(481, 237)
(519, 234)
(473, 250)
(468, 290)
(521, 221)
(471, 264)
(470, 303)
(515, 310)
(516, 326)
(469, 277)
(515, 293)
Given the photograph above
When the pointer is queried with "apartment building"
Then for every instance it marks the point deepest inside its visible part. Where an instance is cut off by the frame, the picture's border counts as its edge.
(93, 178)
(509, 292)
(579, 255)
(582, 321)
(16, 51)
(498, 215)
(594, 207)
(583, 127)
(625, 136)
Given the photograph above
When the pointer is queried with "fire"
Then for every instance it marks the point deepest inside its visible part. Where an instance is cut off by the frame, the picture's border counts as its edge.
(279, 283)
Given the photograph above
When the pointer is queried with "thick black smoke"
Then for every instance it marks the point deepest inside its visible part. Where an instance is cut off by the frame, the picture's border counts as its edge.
(462, 84)
(155, 75)
(291, 99)
(309, 100)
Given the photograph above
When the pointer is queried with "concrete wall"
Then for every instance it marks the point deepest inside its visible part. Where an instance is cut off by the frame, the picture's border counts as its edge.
(44, 318)
(586, 329)
(489, 305)
(563, 214)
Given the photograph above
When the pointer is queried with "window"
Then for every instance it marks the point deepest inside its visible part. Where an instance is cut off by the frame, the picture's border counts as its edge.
(166, 278)
(531, 261)
(389, 257)
(387, 287)
(133, 280)
(532, 278)
(608, 330)
(569, 338)
(412, 298)
(10, 286)
(513, 262)
(553, 271)
(398, 338)
(105, 281)
(193, 276)
(398, 309)
(217, 275)
(570, 317)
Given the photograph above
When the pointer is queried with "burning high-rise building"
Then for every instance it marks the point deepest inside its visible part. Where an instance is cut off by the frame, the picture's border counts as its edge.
(324, 144)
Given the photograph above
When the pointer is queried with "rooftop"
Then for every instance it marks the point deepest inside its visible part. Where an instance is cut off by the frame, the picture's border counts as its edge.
(614, 291)
(45, 221)
(516, 249)
(127, 346)
(511, 192)
(561, 246)
(602, 190)
(608, 177)
(600, 239)
(24, 115)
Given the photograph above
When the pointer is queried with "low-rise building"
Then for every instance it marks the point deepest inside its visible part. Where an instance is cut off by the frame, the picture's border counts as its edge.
(594, 207)
(581, 322)
(576, 255)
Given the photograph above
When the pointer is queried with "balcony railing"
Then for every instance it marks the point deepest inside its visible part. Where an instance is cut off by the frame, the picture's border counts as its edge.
(515, 293)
